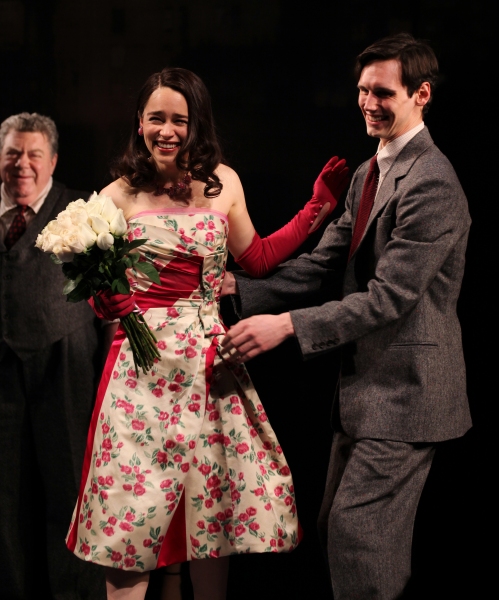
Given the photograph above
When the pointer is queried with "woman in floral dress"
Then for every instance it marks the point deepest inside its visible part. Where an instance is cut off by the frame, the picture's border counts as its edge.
(182, 463)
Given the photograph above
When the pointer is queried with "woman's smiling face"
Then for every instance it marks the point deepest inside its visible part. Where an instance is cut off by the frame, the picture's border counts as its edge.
(165, 121)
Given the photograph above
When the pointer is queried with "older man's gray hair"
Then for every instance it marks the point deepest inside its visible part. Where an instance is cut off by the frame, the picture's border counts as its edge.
(31, 122)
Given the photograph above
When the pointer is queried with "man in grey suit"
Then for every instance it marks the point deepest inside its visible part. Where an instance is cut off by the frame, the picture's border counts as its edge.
(48, 370)
(402, 384)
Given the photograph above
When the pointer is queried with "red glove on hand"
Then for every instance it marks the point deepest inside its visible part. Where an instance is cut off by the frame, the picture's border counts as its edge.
(111, 306)
(262, 256)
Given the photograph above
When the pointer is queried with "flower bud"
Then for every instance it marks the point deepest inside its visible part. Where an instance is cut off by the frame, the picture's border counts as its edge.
(118, 225)
(93, 206)
(99, 225)
(109, 209)
(105, 240)
(86, 234)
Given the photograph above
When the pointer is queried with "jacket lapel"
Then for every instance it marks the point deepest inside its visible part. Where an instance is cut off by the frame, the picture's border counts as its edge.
(403, 163)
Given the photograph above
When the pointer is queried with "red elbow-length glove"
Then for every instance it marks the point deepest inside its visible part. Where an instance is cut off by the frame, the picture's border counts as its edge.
(112, 306)
(263, 255)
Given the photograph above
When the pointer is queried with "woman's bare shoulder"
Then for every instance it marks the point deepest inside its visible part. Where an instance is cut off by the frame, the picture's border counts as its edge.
(227, 175)
(119, 191)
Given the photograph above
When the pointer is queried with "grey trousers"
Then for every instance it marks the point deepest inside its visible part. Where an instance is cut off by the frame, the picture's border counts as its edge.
(367, 517)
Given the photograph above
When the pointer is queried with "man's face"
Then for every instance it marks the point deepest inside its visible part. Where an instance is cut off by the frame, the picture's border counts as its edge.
(388, 110)
(26, 165)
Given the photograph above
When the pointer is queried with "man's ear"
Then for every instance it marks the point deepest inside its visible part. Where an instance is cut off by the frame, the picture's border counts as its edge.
(423, 94)
(53, 163)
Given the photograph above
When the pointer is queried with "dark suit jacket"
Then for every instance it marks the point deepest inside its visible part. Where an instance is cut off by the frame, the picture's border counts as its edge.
(33, 311)
(403, 371)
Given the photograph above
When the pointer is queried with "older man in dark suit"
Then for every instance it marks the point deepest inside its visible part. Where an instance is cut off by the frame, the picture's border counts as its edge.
(400, 248)
(48, 370)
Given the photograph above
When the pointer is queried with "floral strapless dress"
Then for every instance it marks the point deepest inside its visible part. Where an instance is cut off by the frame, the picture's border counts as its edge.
(181, 463)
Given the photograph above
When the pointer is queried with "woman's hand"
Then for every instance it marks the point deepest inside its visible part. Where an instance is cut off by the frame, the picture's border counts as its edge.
(112, 306)
(328, 187)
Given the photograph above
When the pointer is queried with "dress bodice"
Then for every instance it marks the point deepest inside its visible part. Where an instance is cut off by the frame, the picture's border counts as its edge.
(188, 247)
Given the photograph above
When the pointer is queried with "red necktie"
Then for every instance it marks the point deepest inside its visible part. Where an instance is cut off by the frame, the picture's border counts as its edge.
(17, 228)
(366, 203)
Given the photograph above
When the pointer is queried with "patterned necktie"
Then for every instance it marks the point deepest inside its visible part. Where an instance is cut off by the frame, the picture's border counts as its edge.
(366, 203)
(17, 228)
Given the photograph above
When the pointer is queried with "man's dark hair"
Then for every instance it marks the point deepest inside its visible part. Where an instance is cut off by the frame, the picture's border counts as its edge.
(200, 152)
(416, 57)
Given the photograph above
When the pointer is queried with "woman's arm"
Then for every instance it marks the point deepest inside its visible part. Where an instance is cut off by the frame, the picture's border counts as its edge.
(259, 256)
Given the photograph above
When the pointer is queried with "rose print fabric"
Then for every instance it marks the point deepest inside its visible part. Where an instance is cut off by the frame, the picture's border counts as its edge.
(181, 463)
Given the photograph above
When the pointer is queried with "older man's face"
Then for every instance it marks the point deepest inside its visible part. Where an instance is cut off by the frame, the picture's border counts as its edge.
(26, 165)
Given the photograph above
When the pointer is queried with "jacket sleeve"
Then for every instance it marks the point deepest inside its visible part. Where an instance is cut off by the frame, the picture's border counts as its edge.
(418, 247)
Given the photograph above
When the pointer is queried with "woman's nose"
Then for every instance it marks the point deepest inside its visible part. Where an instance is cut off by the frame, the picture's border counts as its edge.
(166, 130)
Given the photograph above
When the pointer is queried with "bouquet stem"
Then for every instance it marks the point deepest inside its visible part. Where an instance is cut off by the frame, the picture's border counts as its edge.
(142, 341)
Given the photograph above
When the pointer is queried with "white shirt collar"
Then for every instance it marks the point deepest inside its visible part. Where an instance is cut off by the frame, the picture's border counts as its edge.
(7, 203)
(388, 154)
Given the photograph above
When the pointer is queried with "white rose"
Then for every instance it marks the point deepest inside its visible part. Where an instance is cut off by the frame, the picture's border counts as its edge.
(93, 206)
(109, 209)
(47, 240)
(79, 215)
(53, 227)
(99, 225)
(118, 225)
(86, 235)
(64, 219)
(73, 241)
(105, 240)
(63, 253)
(76, 205)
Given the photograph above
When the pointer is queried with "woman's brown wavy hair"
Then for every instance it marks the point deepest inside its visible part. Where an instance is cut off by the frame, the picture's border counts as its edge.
(200, 152)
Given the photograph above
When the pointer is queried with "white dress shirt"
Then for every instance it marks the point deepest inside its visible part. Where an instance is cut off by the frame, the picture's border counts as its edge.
(8, 206)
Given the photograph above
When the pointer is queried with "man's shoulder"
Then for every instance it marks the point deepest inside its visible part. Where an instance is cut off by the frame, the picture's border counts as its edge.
(61, 190)
(60, 195)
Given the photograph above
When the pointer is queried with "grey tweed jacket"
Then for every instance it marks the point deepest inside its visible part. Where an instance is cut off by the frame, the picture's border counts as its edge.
(403, 372)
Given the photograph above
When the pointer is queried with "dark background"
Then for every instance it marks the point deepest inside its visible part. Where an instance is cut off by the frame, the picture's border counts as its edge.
(284, 98)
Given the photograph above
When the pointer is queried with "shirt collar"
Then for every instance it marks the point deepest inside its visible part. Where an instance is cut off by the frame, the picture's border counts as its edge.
(388, 154)
(7, 203)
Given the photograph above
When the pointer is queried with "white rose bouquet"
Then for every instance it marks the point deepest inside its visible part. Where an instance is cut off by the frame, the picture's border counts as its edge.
(88, 239)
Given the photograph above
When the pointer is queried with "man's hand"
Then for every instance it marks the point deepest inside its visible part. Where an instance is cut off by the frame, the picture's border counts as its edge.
(255, 335)
(229, 285)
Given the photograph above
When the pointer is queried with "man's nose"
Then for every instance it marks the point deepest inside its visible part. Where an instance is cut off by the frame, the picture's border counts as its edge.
(370, 102)
(22, 161)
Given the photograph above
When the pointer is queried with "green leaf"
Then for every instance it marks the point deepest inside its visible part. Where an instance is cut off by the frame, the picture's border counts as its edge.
(81, 292)
(120, 286)
(134, 244)
(148, 270)
(69, 287)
